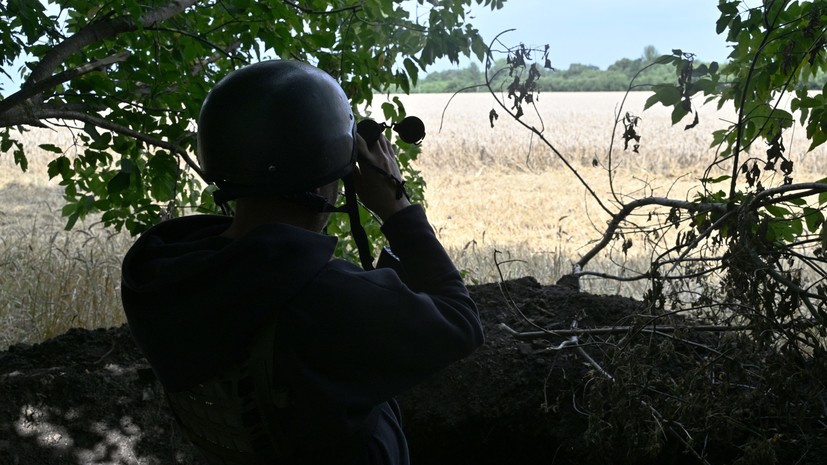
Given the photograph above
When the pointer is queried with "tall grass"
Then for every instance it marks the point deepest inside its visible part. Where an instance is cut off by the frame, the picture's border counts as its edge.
(51, 279)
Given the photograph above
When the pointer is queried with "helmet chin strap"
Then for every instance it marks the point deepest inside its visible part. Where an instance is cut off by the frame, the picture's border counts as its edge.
(316, 203)
(351, 207)
(356, 229)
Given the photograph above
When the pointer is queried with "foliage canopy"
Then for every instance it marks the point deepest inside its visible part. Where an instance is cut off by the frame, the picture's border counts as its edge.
(128, 78)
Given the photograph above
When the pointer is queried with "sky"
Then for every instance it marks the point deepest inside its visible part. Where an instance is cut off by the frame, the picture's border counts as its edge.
(592, 32)
(600, 32)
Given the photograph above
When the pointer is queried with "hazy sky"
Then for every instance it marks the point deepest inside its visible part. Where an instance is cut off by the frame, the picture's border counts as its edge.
(593, 32)
(599, 32)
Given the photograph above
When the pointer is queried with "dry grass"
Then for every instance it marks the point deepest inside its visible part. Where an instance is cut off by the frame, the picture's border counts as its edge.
(502, 189)
(495, 196)
(51, 279)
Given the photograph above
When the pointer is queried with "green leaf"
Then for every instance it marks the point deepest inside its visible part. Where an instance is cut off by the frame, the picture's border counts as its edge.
(60, 166)
(706, 85)
(101, 142)
(666, 95)
(776, 211)
(796, 228)
(77, 210)
(128, 166)
(722, 23)
(206, 202)
(412, 70)
(20, 158)
(70, 222)
(716, 180)
(678, 112)
(400, 108)
(389, 110)
(814, 219)
(50, 148)
(776, 230)
(817, 139)
(730, 8)
(718, 137)
(67, 210)
(118, 183)
(163, 176)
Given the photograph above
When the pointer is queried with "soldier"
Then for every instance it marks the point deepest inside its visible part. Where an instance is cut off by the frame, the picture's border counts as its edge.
(269, 349)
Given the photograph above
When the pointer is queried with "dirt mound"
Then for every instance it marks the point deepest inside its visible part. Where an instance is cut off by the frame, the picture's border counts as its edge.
(90, 397)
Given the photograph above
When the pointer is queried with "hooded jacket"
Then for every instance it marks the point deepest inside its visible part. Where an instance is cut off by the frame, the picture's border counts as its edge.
(347, 340)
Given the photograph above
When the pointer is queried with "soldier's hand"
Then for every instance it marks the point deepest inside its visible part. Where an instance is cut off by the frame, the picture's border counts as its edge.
(378, 179)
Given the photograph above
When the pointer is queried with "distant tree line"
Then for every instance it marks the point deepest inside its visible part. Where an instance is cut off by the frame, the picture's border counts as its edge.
(577, 78)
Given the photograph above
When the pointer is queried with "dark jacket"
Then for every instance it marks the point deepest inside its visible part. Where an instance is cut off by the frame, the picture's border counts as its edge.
(347, 340)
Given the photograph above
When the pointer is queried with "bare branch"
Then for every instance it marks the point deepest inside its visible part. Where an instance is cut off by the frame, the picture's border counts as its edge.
(537, 132)
(649, 328)
(627, 210)
(810, 187)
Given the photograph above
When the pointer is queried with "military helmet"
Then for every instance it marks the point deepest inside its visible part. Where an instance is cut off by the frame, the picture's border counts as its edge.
(275, 127)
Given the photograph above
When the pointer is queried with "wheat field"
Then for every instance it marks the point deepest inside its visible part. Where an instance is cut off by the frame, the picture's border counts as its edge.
(495, 195)
(502, 189)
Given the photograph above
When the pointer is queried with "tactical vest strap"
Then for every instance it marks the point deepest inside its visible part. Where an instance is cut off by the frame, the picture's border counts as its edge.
(234, 417)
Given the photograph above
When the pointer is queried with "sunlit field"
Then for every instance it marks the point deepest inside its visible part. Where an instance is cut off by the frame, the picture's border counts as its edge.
(495, 195)
(502, 189)
(51, 279)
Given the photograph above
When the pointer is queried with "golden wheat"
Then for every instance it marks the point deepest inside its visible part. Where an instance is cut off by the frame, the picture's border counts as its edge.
(502, 189)
(52, 279)
(499, 198)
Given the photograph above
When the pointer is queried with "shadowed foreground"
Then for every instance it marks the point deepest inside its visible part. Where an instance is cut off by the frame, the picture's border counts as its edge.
(89, 397)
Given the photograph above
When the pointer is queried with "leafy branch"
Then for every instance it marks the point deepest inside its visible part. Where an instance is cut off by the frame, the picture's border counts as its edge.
(132, 77)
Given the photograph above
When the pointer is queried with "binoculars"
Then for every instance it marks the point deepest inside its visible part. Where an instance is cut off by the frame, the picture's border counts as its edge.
(411, 130)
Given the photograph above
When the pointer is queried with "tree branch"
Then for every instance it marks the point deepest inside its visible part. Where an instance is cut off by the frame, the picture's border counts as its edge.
(49, 113)
(100, 30)
(31, 90)
(327, 12)
(649, 328)
(627, 210)
(765, 39)
(532, 129)
(813, 187)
